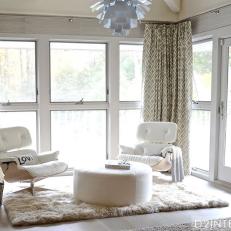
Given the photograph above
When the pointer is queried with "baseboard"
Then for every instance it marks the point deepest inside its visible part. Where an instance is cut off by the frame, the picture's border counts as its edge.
(200, 174)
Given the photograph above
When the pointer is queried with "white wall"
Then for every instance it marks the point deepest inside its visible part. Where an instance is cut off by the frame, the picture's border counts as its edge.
(160, 12)
(80, 8)
(191, 8)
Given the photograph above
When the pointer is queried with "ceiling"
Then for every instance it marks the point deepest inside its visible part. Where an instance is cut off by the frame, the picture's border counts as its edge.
(161, 10)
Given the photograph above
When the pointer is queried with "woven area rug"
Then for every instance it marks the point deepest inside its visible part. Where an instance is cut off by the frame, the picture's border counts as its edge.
(48, 206)
(211, 225)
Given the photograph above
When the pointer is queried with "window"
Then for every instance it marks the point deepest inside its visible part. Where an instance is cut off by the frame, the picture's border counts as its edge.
(129, 120)
(78, 71)
(79, 135)
(202, 71)
(24, 119)
(130, 72)
(17, 71)
(130, 92)
(18, 86)
(200, 139)
(200, 121)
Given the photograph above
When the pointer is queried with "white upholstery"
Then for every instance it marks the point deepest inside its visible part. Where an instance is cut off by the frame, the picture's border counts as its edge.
(48, 156)
(158, 132)
(14, 138)
(156, 148)
(113, 187)
(45, 169)
(12, 148)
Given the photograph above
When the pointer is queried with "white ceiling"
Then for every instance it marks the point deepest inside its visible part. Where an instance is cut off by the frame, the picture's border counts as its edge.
(80, 8)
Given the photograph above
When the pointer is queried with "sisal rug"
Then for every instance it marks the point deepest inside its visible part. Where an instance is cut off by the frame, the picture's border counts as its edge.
(48, 206)
(210, 225)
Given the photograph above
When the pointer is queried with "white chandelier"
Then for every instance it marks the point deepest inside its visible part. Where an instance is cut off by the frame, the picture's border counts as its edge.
(120, 15)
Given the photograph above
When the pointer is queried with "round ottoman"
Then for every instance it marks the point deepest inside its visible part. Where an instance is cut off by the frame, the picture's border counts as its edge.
(113, 187)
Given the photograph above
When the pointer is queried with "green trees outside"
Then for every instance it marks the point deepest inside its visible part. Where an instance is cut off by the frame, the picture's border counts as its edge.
(130, 72)
(202, 74)
(17, 73)
(78, 74)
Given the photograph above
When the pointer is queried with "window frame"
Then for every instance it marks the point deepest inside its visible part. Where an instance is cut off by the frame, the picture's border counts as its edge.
(128, 105)
(2, 39)
(84, 109)
(204, 106)
(135, 103)
(106, 70)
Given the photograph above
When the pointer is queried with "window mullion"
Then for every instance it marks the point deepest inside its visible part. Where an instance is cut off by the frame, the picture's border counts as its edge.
(44, 123)
(113, 112)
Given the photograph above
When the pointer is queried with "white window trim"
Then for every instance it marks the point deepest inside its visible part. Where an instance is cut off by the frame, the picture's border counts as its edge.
(216, 35)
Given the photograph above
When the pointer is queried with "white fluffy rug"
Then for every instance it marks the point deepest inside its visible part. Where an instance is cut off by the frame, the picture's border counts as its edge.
(49, 206)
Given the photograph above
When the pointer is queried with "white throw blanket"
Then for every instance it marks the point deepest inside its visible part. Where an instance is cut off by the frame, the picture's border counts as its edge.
(177, 169)
(171, 153)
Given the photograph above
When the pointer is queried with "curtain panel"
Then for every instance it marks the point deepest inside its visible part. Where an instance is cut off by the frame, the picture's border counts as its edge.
(167, 78)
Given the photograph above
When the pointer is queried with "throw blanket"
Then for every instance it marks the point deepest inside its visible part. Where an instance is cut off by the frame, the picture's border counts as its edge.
(172, 153)
(177, 169)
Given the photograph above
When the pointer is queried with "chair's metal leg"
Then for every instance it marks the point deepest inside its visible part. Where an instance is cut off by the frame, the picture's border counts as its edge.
(32, 188)
(1, 192)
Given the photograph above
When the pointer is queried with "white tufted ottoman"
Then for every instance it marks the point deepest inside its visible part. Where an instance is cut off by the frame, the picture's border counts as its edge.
(113, 187)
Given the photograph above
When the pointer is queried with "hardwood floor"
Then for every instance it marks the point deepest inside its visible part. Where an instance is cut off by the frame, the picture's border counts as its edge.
(131, 222)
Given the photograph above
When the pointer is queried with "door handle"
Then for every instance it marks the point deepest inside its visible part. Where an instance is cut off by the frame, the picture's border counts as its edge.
(221, 110)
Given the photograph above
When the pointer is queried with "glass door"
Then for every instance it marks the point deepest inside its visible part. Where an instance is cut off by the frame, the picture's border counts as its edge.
(224, 168)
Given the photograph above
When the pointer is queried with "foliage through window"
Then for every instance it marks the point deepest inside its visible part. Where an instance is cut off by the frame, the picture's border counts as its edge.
(130, 72)
(202, 71)
(17, 71)
(78, 70)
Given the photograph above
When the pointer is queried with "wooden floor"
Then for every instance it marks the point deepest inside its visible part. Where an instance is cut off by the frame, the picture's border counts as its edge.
(126, 223)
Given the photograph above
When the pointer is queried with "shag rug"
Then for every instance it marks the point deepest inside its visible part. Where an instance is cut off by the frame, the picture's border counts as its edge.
(48, 206)
(210, 225)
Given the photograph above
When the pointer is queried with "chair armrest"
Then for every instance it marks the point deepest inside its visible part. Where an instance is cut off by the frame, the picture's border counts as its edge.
(48, 156)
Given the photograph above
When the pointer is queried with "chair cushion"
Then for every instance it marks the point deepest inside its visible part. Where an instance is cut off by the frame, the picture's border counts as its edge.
(46, 169)
(158, 132)
(14, 138)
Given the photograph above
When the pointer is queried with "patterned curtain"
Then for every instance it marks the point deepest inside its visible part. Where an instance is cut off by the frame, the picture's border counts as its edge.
(167, 72)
